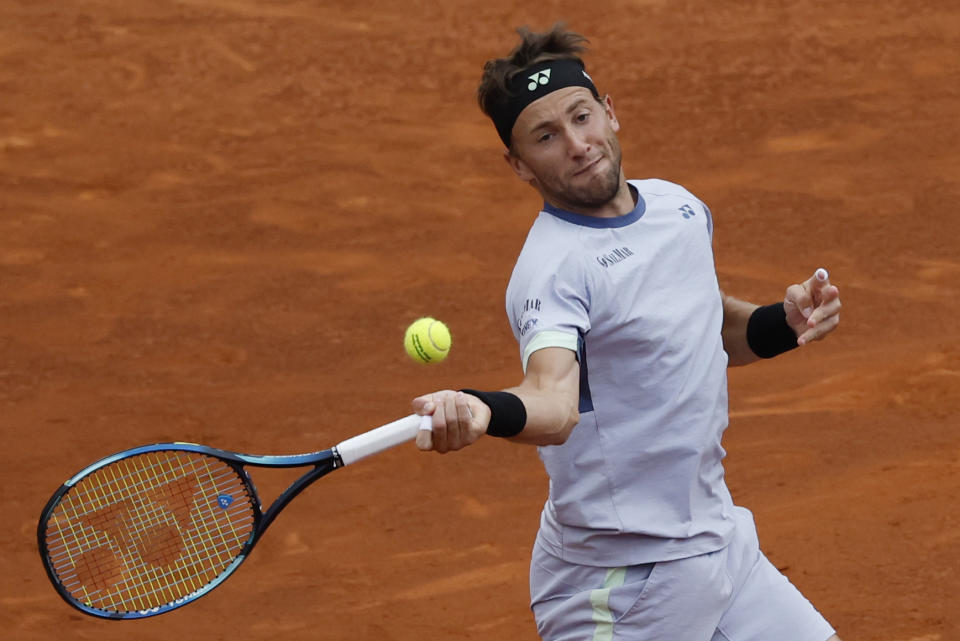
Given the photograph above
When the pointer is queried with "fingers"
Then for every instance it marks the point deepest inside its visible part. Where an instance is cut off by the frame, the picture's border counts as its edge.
(423, 405)
(825, 316)
(425, 436)
(464, 419)
(452, 424)
(798, 301)
(458, 420)
(813, 307)
(818, 283)
(808, 296)
(440, 430)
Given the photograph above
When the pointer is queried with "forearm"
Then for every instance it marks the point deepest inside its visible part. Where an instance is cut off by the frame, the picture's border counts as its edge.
(542, 410)
(551, 416)
(736, 315)
(550, 396)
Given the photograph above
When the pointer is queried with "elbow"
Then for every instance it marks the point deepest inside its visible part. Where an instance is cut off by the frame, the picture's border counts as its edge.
(565, 426)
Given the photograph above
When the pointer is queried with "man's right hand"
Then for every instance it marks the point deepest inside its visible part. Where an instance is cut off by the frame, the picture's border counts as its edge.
(458, 420)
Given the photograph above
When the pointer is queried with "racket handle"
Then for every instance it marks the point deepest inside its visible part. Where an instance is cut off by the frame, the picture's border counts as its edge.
(379, 439)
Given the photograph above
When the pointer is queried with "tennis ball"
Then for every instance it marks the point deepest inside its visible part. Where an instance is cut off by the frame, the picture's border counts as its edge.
(427, 340)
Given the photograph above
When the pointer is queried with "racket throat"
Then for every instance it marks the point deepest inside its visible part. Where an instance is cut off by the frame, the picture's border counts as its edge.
(320, 469)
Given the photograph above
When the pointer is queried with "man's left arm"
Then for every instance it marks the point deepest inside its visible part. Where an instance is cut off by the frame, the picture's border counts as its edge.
(810, 310)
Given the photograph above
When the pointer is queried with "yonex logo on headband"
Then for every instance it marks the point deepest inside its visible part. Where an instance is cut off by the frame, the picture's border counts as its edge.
(541, 77)
(539, 80)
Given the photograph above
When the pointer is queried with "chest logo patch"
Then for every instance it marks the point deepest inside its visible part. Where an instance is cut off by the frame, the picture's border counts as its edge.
(618, 255)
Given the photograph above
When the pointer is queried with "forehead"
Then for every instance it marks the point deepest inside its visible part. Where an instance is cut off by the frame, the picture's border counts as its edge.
(552, 106)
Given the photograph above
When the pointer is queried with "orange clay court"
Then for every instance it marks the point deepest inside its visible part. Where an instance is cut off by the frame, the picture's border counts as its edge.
(218, 216)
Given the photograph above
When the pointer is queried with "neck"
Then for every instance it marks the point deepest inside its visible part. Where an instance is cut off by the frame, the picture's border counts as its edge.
(623, 202)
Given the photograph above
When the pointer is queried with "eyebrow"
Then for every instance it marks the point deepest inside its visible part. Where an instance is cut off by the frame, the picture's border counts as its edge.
(573, 107)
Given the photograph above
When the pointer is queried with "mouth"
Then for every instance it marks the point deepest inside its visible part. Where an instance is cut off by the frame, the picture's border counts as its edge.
(588, 167)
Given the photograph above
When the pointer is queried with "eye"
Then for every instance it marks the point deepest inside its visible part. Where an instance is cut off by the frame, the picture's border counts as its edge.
(545, 137)
(583, 117)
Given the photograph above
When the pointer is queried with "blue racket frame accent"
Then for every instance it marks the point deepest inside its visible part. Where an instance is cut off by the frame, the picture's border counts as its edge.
(323, 462)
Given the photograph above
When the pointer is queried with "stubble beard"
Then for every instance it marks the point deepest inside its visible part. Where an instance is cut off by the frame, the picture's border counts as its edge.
(594, 195)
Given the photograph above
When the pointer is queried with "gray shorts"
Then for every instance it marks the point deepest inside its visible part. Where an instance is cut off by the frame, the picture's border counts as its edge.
(733, 594)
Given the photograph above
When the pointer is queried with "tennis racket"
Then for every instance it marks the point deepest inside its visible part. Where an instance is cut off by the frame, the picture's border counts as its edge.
(150, 529)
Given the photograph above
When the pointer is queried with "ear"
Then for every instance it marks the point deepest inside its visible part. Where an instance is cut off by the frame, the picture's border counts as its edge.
(608, 109)
(518, 166)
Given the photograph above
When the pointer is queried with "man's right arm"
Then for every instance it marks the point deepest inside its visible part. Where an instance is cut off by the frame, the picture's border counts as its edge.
(550, 394)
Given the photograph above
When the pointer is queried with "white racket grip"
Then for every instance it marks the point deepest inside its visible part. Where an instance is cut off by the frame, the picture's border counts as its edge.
(381, 438)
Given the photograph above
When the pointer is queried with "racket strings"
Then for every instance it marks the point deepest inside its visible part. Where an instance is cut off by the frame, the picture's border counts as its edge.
(149, 530)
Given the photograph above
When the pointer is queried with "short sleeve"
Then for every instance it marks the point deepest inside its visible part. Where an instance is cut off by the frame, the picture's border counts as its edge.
(548, 302)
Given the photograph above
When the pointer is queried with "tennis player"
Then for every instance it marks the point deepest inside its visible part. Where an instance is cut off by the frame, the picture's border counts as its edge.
(625, 337)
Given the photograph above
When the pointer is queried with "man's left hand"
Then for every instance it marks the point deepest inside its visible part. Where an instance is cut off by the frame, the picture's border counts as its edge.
(813, 307)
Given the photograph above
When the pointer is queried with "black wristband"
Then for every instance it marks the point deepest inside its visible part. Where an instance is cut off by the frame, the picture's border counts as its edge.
(768, 333)
(508, 415)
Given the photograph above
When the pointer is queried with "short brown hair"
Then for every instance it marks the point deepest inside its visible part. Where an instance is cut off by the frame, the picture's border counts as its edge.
(555, 44)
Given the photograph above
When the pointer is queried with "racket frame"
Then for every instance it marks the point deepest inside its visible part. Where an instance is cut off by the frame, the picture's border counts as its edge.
(323, 462)
(346, 452)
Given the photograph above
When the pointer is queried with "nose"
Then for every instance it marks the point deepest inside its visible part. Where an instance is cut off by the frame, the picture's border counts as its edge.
(577, 143)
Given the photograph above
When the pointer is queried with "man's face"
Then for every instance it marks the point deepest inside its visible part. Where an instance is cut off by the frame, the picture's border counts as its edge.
(565, 145)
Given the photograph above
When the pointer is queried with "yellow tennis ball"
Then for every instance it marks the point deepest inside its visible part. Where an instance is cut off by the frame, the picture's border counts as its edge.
(427, 340)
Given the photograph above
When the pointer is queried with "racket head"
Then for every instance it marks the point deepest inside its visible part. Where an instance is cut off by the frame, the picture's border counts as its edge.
(148, 530)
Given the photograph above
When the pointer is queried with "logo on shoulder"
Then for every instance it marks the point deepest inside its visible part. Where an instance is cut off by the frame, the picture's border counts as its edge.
(528, 319)
(616, 256)
(525, 326)
(687, 212)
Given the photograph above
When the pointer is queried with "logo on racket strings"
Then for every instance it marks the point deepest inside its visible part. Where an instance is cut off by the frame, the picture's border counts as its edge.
(224, 500)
